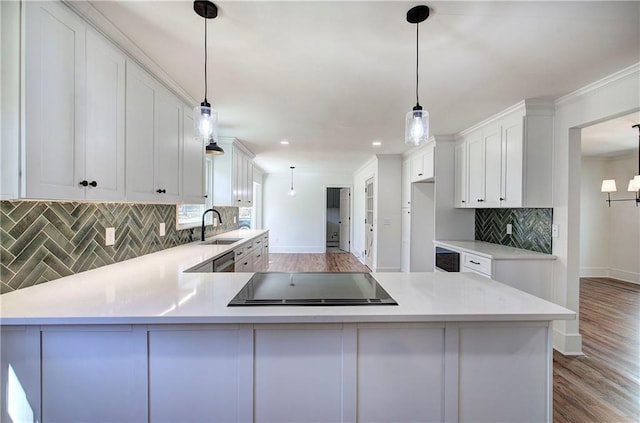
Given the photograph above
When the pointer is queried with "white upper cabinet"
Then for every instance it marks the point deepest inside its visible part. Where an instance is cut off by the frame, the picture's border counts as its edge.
(233, 176)
(74, 121)
(460, 181)
(193, 169)
(104, 154)
(154, 140)
(508, 159)
(422, 164)
(406, 184)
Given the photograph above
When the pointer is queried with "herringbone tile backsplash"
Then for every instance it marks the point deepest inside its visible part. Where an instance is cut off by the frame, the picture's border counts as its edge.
(531, 228)
(44, 240)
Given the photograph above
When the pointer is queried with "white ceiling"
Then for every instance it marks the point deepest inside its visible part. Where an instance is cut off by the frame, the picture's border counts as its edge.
(331, 77)
(611, 138)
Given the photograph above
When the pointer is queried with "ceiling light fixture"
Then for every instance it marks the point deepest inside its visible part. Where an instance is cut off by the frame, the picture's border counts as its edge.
(284, 142)
(292, 192)
(376, 143)
(205, 117)
(609, 185)
(416, 129)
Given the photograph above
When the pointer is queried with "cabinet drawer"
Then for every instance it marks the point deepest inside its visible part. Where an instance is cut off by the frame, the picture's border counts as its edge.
(476, 263)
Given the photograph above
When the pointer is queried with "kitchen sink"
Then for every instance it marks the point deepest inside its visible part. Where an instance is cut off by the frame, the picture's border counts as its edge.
(222, 241)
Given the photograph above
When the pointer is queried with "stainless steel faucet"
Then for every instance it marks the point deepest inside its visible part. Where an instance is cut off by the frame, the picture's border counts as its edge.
(204, 214)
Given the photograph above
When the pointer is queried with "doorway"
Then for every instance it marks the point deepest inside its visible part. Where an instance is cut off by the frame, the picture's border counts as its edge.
(338, 220)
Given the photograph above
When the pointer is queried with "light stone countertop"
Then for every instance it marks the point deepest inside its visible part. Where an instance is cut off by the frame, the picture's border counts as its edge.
(494, 251)
(153, 289)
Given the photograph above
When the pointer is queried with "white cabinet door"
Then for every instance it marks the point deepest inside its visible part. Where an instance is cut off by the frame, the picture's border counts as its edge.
(475, 171)
(168, 147)
(406, 183)
(417, 168)
(405, 246)
(460, 175)
(249, 182)
(94, 375)
(54, 101)
(193, 158)
(198, 376)
(512, 164)
(492, 140)
(140, 132)
(105, 113)
(428, 164)
(237, 178)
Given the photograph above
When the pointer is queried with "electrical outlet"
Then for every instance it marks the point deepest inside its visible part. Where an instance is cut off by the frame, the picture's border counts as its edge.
(554, 231)
(162, 229)
(215, 222)
(509, 229)
(109, 236)
(234, 219)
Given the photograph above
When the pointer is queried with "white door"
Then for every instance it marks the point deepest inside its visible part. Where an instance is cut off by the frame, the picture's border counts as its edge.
(369, 223)
(344, 222)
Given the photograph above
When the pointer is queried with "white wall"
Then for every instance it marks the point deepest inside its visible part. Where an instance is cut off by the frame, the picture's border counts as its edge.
(594, 233)
(614, 96)
(297, 224)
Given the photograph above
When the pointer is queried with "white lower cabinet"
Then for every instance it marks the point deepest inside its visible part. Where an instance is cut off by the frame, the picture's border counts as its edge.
(296, 372)
(96, 374)
(210, 385)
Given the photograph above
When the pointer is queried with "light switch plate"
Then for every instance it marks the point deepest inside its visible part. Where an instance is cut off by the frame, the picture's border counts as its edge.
(554, 231)
(509, 229)
(234, 219)
(109, 236)
(162, 230)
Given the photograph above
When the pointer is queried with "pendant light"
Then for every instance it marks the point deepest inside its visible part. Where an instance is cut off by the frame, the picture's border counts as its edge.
(416, 129)
(205, 117)
(292, 192)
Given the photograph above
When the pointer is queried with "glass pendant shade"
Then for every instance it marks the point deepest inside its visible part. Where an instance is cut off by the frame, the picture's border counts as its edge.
(634, 184)
(205, 121)
(416, 130)
(608, 185)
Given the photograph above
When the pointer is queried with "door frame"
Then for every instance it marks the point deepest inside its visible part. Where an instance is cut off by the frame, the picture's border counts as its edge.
(324, 214)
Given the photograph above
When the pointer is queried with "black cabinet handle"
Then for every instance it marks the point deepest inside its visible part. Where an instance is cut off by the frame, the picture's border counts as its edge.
(205, 196)
(474, 262)
(419, 174)
(480, 200)
(93, 184)
(84, 183)
(161, 191)
(463, 201)
(501, 199)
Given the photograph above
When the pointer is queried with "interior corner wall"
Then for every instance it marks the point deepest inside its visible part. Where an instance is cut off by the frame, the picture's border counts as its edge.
(614, 96)
(297, 224)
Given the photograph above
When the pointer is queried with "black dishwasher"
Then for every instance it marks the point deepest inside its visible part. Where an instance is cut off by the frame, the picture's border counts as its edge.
(225, 263)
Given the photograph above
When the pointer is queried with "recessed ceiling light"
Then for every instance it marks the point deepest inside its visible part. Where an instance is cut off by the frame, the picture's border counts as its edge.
(284, 142)
(376, 143)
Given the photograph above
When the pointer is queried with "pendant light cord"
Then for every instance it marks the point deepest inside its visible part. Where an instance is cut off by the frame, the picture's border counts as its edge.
(417, 58)
(205, 61)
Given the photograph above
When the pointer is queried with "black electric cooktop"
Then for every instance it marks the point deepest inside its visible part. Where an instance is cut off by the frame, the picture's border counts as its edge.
(312, 289)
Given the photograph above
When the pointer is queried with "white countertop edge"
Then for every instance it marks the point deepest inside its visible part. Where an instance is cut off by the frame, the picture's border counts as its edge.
(203, 320)
(508, 253)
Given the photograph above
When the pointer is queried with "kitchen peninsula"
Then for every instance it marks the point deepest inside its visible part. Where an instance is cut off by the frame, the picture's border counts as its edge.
(142, 340)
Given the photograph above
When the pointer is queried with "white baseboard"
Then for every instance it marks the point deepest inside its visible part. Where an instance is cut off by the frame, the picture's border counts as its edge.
(594, 272)
(567, 344)
(624, 275)
(284, 249)
(387, 269)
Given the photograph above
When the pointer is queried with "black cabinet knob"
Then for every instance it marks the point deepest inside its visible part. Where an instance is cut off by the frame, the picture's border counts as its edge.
(480, 200)
(161, 191)
(501, 199)
(93, 184)
(84, 183)
(463, 201)
(205, 196)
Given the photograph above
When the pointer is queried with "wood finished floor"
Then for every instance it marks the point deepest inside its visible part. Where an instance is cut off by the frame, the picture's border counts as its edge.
(330, 262)
(603, 385)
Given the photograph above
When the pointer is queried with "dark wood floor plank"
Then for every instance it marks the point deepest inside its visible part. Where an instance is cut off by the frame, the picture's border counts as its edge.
(603, 385)
(322, 262)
